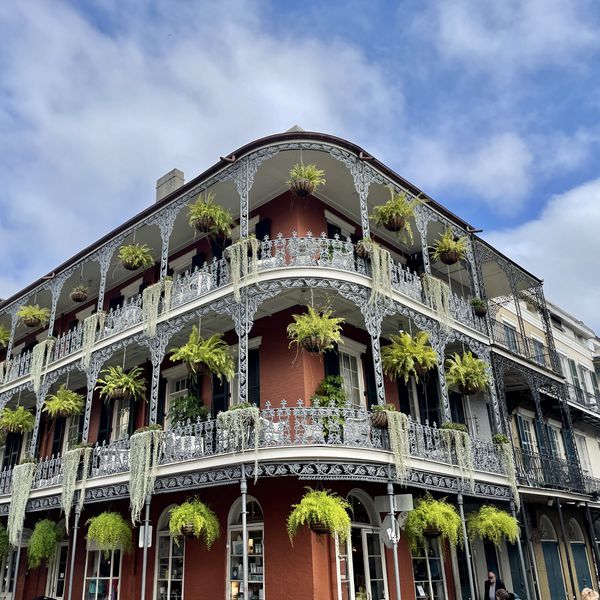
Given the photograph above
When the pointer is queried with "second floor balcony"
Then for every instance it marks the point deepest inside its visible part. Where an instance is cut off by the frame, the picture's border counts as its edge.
(583, 398)
(541, 471)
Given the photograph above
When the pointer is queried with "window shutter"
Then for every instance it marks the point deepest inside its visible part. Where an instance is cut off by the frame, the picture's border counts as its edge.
(540, 434)
(371, 385)
(11, 450)
(104, 429)
(428, 394)
(80, 428)
(133, 413)
(254, 377)
(331, 361)
(569, 445)
(162, 398)
(59, 428)
(198, 260)
(262, 229)
(115, 302)
(220, 397)
(457, 409)
(404, 396)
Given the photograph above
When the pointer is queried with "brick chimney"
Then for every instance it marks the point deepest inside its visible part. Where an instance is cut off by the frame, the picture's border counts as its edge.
(168, 183)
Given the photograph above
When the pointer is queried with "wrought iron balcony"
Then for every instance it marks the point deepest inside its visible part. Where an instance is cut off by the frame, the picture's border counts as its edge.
(583, 398)
(538, 470)
(591, 485)
(280, 427)
(516, 343)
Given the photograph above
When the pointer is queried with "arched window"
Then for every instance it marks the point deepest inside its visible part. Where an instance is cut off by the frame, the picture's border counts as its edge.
(580, 555)
(547, 531)
(256, 550)
(360, 560)
(170, 560)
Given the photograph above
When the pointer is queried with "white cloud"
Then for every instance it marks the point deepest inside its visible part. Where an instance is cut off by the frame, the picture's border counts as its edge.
(561, 246)
(512, 36)
(90, 120)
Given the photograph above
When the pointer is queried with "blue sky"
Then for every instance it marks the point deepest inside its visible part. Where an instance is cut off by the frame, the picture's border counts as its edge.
(491, 107)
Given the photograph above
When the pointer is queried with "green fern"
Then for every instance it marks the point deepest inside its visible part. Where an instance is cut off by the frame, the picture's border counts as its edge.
(110, 531)
(468, 373)
(115, 378)
(19, 420)
(309, 172)
(408, 356)
(4, 336)
(34, 312)
(203, 520)
(135, 256)
(447, 243)
(493, 524)
(64, 403)
(397, 207)
(204, 210)
(313, 325)
(43, 542)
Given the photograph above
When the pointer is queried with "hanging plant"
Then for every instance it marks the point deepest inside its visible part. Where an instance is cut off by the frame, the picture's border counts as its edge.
(79, 293)
(381, 272)
(323, 512)
(437, 296)
(4, 543)
(119, 384)
(145, 447)
(363, 247)
(203, 356)
(243, 263)
(40, 358)
(33, 315)
(506, 458)
(43, 542)
(458, 443)
(210, 218)
(91, 325)
(193, 518)
(479, 307)
(151, 297)
(135, 256)
(305, 179)
(432, 518)
(242, 423)
(71, 461)
(379, 414)
(408, 356)
(4, 336)
(64, 403)
(468, 373)
(493, 524)
(19, 420)
(314, 331)
(22, 480)
(329, 393)
(186, 410)
(109, 531)
(399, 433)
(394, 215)
(450, 250)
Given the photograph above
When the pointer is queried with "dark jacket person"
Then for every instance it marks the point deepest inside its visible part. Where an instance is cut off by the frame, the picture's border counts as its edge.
(492, 585)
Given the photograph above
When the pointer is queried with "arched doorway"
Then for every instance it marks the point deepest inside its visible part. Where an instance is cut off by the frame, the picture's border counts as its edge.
(170, 560)
(549, 541)
(580, 557)
(361, 560)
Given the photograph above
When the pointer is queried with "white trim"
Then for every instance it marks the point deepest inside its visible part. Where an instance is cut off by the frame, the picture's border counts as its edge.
(352, 347)
(132, 288)
(506, 321)
(174, 372)
(181, 262)
(86, 312)
(347, 228)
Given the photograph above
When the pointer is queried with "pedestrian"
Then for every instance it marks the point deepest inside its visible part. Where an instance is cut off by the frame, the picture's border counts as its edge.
(589, 594)
(491, 586)
(502, 595)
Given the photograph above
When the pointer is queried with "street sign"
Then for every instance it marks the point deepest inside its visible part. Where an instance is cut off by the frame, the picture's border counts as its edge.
(390, 531)
(402, 503)
(148, 537)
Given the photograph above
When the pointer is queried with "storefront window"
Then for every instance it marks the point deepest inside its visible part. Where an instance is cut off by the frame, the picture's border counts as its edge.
(102, 575)
(169, 563)
(428, 571)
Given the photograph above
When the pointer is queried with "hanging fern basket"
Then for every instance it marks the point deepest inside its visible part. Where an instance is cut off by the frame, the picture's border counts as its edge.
(451, 257)
(316, 344)
(197, 368)
(319, 528)
(480, 311)
(432, 532)
(116, 394)
(469, 390)
(204, 224)
(395, 223)
(379, 419)
(32, 321)
(187, 530)
(363, 250)
(130, 265)
(302, 187)
(78, 295)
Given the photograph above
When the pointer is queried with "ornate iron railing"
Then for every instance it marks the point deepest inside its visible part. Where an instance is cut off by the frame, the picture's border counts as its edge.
(538, 470)
(516, 343)
(583, 398)
(68, 343)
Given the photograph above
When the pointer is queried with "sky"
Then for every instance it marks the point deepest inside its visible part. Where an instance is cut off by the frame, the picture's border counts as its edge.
(492, 108)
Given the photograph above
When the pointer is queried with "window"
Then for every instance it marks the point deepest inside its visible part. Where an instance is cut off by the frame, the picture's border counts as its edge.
(554, 435)
(584, 457)
(7, 565)
(73, 433)
(256, 551)
(57, 569)
(351, 372)
(527, 434)
(576, 381)
(428, 572)
(178, 386)
(360, 559)
(169, 569)
(510, 337)
(102, 575)
(538, 351)
(121, 419)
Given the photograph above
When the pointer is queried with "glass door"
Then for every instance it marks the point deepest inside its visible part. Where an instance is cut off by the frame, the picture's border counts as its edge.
(169, 580)
(57, 570)
(256, 588)
(374, 573)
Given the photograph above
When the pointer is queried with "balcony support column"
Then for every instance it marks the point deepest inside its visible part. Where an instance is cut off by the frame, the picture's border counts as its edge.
(73, 543)
(13, 327)
(593, 540)
(563, 534)
(157, 347)
(373, 316)
(104, 257)
(56, 286)
(392, 514)
(165, 220)
(244, 512)
(521, 557)
(438, 343)
(91, 373)
(467, 545)
(47, 382)
(422, 221)
(362, 181)
(145, 546)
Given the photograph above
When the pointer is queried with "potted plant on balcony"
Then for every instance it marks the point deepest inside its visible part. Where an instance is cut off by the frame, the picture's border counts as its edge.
(379, 414)
(449, 249)
(117, 384)
(33, 315)
(305, 179)
(19, 420)
(135, 256)
(187, 410)
(364, 247)
(43, 542)
(432, 518)
(394, 215)
(479, 307)
(330, 394)
(79, 293)
(64, 403)
(408, 356)
(109, 531)
(193, 518)
(493, 524)
(203, 356)
(322, 511)
(315, 331)
(468, 373)
(4, 336)
(210, 218)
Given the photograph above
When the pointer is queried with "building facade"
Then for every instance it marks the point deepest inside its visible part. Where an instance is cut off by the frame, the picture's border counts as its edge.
(307, 257)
